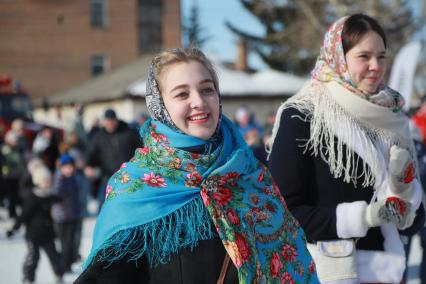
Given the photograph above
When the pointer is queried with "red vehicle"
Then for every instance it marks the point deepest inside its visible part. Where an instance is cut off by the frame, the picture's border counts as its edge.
(16, 103)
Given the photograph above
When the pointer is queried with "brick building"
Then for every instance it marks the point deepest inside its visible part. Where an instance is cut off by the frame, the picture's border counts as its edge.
(51, 45)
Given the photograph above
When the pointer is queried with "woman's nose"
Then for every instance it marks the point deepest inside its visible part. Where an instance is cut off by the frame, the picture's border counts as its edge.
(374, 64)
(197, 99)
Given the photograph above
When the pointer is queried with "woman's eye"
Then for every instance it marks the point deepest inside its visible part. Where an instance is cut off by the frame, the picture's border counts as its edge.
(181, 95)
(208, 90)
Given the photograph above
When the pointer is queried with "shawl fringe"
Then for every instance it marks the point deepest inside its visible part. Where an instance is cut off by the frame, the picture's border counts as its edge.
(332, 127)
(158, 239)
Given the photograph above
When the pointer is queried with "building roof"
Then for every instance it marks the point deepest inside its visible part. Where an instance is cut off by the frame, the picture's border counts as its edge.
(130, 80)
(107, 86)
(266, 82)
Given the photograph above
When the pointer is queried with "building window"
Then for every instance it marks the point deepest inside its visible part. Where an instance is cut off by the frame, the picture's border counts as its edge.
(149, 23)
(98, 64)
(98, 16)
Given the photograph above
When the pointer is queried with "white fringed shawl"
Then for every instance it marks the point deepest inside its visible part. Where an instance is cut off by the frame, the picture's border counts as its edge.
(335, 112)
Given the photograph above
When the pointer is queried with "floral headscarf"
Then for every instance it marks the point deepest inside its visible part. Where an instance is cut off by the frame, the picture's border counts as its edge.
(331, 66)
(154, 103)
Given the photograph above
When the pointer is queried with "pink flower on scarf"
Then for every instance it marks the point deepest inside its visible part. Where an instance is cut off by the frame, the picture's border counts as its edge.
(286, 278)
(205, 197)
(233, 217)
(190, 167)
(154, 180)
(275, 265)
(108, 190)
(223, 195)
(195, 156)
(144, 150)
(232, 177)
(158, 137)
(289, 253)
(194, 179)
(243, 247)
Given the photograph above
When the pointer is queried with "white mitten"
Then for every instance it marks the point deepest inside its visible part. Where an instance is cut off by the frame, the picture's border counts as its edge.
(392, 210)
(402, 172)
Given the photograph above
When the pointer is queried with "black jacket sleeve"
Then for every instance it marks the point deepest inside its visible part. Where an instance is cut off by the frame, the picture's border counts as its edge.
(295, 173)
(93, 153)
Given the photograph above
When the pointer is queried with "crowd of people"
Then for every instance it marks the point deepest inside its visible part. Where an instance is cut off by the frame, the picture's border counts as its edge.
(46, 184)
(326, 191)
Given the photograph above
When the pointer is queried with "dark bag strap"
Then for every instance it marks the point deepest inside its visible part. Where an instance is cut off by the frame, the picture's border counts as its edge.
(224, 270)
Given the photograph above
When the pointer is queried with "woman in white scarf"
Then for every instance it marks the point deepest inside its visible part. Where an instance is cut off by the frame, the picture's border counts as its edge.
(344, 159)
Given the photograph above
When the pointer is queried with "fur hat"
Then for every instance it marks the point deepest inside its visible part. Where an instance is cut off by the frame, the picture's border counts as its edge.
(39, 172)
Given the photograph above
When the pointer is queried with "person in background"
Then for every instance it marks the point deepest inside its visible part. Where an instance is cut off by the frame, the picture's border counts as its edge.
(17, 127)
(95, 127)
(45, 147)
(35, 216)
(345, 161)
(139, 121)
(255, 142)
(114, 144)
(194, 196)
(13, 170)
(67, 212)
(245, 121)
(82, 138)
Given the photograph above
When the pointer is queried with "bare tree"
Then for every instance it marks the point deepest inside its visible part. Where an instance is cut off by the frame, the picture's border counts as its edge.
(193, 32)
(294, 28)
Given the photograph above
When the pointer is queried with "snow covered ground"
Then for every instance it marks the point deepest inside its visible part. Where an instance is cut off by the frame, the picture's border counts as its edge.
(12, 253)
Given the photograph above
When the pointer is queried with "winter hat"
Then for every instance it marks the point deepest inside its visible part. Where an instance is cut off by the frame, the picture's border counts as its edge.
(110, 114)
(66, 159)
(39, 172)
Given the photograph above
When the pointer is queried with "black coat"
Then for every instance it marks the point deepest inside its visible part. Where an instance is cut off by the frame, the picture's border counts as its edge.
(309, 188)
(109, 150)
(36, 218)
(202, 265)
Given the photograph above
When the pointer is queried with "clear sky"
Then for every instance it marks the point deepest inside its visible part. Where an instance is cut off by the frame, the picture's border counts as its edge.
(213, 14)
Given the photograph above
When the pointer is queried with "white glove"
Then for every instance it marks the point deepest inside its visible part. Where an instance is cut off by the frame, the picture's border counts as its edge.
(402, 172)
(392, 210)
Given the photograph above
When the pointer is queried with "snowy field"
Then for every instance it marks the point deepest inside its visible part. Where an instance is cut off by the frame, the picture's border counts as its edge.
(12, 253)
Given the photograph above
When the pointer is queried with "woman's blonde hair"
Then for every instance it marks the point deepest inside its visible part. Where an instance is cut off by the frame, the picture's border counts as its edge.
(178, 55)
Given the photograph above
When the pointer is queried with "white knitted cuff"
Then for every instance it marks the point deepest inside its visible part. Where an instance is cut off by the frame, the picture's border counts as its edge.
(351, 220)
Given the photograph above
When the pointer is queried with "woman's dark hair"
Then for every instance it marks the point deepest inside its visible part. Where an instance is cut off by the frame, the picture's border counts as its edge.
(356, 26)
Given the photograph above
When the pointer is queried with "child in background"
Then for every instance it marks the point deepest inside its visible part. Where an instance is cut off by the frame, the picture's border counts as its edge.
(66, 213)
(38, 223)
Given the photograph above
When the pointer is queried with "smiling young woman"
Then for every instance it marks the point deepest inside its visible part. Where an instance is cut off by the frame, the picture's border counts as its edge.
(194, 194)
(343, 158)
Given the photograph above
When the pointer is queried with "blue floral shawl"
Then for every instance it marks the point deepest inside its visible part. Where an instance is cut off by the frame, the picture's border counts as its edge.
(165, 199)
